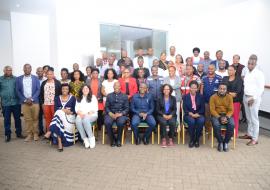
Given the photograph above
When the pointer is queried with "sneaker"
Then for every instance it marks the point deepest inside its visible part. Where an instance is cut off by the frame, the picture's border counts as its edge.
(36, 138)
(92, 142)
(170, 144)
(86, 142)
(163, 143)
(28, 138)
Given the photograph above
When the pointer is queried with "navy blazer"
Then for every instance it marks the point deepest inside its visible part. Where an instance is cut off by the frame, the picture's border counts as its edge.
(160, 106)
(35, 89)
(187, 104)
(216, 64)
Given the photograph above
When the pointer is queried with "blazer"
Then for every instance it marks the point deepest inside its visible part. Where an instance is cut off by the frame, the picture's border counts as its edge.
(216, 64)
(187, 104)
(132, 86)
(57, 89)
(176, 87)
(35, 89)
(160, 106)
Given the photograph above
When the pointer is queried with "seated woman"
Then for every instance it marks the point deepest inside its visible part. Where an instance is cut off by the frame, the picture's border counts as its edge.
(166, 110)
(193, 104)
(62, 125)
(87, 113)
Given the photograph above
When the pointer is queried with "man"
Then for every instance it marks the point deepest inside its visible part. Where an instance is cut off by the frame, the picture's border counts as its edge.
(154, 83)
(171, 57)
(221, 108)
(253, 89)
(39, 73)
(150, 57)
(209, 87)
(28, 89)
(113, 56)
(200, 70)
(110, 65)
(10, 103)
(140, 53)
(222, 71)
(219, 55)
(142, 107)
(196, 59)
(141, 64)
(187, 78)
(105, 60)
(124, 56)
(116, 110)
(239, 67)
(206, 61)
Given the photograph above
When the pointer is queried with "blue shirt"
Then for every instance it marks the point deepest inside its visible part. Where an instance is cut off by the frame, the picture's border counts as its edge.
(142, 104)
(210, 86)
(167, 106)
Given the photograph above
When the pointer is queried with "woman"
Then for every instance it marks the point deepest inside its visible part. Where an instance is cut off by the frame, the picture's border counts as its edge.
(63, 123)
(87, 78)
(49, 89)
(235, 89)
(175, 82)
(87, 113)
(77, 80)
(64, 76)
(163, 63)
(110, 77)
(179, 65)
(193, 105)
(140, 78)
(128, 84)
(166, 110)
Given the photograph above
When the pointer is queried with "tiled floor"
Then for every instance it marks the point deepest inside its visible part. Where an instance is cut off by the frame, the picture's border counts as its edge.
(37, 165)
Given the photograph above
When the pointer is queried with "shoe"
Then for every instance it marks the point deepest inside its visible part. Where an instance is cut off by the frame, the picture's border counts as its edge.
(191, 144)
(28, 138)
(118, 144)
(36, 138)
(245, 137)
(163, 143)
(60, 149)
(220, 147)
(170, 144)
(145, 141)
(138, 141)
(7, 138)
(225, 147)
(86, 143)
(197, 144)
(252, 143)
(113, 143)
(41, 133)
(20, 136)
(92, 142)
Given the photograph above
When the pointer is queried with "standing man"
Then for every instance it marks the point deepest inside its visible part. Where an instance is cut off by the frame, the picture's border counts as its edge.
(28, 89)
(140, 62)
(253, 89)
(206, 61)
(10, 103)
(219, 55)
(150, 56)
(40, 116)
(222, 71)
(171, 57)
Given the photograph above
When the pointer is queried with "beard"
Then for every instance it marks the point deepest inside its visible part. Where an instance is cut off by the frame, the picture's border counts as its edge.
(221, 95)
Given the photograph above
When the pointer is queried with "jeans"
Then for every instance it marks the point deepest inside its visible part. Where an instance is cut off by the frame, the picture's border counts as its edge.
(195, 127)
(217, 130)
(120, 123)
(84, 125)
(16, 110)
(150, 120)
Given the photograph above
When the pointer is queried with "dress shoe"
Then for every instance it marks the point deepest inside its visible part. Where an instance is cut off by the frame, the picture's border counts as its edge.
(118, 144)
(7, 138)
(163, 143)
(197, 144)
(145, 141)
(225, 147)
(113, 144)
(191, 144)
(138, 141)
(170, 144)
(220, 147)
(20, 136)
(36, 137)
(28, 138)
(60, 149)
(245, 137)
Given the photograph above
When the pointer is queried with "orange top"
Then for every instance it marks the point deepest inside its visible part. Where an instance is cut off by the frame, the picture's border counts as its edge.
(94, 88)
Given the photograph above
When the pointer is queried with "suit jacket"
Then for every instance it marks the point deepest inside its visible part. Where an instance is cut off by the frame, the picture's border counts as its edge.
(200, 105)
(132, 86)
(35, 89)
(57, 89)
(176, 87)
(216, 64)
(160, 106)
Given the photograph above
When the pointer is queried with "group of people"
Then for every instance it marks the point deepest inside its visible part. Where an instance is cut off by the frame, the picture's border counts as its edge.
(165, 91)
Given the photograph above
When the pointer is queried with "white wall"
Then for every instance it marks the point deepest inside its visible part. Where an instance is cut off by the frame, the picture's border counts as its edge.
(5, 45)
(31, 41)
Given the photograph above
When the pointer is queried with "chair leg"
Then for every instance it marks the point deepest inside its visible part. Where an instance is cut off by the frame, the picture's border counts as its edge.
(132, 137)
(234, 138)
(123, 136)
(212, 135)
(203, 135)
(183, 133)
(158, 134)
(153, 137)
(178, 134)
(103, 134)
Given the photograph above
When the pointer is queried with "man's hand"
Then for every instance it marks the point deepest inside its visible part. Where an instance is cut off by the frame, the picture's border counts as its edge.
(29, 101)
(196, 115)
(223, 120)
(144, 115)
(250, 102)
(118, 115)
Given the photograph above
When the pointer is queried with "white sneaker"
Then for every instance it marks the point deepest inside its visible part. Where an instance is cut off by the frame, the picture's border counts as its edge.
(86, 142)
(92, 141)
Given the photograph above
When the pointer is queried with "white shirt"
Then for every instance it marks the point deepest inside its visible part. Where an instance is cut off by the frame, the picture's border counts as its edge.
(254, 83)
(86, 107)
(170, 58)
(108, 86)
(222, 74)
(27, 86)
(145, 62)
